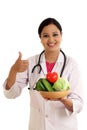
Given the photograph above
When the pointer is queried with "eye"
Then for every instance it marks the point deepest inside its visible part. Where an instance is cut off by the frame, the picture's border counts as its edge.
(55, 34)
(45, 35)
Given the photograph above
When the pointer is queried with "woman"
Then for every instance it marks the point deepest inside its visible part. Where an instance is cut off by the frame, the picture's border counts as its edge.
(50, 114)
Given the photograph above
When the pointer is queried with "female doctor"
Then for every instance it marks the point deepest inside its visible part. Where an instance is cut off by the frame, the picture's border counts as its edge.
(48, 114)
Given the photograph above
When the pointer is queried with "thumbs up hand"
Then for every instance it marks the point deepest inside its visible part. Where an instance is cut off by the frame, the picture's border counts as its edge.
(20, 65)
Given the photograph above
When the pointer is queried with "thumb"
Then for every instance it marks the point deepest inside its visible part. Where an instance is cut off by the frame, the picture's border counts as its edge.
(20, 56)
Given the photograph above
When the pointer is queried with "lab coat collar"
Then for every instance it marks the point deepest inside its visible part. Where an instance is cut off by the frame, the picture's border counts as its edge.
(60, 59)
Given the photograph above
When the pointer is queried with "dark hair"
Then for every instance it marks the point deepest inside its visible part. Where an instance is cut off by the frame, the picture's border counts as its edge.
(47, 22)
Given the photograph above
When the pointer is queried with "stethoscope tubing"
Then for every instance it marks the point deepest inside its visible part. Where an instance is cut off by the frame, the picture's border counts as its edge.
(38, 64)
(63, 63)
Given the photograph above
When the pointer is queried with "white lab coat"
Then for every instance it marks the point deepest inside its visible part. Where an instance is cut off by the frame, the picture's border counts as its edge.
(46, 114)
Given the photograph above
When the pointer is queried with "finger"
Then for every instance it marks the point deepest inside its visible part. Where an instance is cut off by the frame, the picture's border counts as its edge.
(20, 56)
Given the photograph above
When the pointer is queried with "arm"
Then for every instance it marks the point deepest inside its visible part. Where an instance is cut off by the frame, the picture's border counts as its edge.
(74, 101)
(19, 66)
(17, 78)
(11, 78)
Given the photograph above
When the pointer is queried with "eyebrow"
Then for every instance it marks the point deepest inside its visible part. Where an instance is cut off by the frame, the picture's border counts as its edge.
(52, 32)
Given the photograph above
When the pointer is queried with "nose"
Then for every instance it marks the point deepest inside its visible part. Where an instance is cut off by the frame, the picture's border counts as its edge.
(51, 39)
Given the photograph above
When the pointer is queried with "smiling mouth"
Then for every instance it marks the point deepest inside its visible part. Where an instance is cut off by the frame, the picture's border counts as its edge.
(51, 44)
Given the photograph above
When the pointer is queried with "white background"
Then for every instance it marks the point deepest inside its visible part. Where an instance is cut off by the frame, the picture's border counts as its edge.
(19, 21)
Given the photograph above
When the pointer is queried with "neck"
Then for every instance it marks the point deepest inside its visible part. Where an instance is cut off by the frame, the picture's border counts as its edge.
(51, 56)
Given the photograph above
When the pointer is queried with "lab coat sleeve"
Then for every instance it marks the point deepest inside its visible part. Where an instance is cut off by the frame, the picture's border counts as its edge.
(16, 89)
(77, 106)
(76, 92)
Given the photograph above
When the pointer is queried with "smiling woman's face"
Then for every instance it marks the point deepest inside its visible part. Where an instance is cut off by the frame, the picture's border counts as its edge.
(51, 38)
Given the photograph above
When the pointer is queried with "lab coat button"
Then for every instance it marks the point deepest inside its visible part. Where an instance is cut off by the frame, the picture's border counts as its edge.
(46, 116)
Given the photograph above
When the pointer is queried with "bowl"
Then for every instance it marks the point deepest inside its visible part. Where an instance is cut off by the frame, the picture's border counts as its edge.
(55, 94)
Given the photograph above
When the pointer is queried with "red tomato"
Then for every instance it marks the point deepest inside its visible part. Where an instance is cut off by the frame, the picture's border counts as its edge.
(52, 76)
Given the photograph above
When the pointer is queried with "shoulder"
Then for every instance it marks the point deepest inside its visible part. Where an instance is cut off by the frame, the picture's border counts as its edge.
(72, 64)
(71, 60)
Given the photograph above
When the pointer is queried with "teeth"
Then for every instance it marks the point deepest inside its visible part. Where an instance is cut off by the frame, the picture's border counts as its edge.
(52, 44)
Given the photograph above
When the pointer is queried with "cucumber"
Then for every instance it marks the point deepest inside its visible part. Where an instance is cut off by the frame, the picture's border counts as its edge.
(40, 86)
(46, 83)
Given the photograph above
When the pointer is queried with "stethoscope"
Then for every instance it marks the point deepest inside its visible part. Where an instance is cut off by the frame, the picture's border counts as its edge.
(40, 68)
